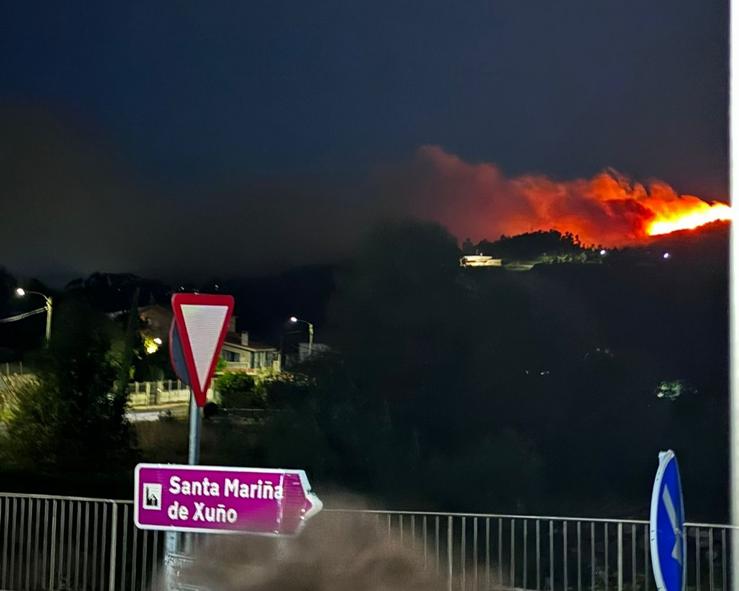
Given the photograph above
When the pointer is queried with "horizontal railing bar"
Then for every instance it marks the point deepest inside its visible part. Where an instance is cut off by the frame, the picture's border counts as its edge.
(516, 516)
(397, 512)
(64, 498)
(491, 515)
(712, 525)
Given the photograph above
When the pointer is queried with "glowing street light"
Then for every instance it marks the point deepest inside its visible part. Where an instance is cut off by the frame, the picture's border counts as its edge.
(21, 293)
(295, 320)
(151, 345)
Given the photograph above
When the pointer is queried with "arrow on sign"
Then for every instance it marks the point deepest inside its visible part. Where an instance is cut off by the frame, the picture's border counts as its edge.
(666, 526)
(672, 514)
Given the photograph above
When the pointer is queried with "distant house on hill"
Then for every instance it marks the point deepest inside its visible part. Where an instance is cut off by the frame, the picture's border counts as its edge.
(240, 353)
(479, 260)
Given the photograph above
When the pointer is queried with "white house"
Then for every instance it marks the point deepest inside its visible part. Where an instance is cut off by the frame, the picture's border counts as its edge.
(479, 260)
(242, 354)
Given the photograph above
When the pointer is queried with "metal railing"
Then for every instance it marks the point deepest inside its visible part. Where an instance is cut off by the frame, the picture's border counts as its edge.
(489, 551)
(161, 385)
(70, 543)
(246, 367)
(12, 368)
(75, 543)
(145, 394)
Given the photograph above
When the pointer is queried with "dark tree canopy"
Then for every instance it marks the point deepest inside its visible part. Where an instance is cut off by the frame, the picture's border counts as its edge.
(532, 245)
(71, 418)
(536, 390)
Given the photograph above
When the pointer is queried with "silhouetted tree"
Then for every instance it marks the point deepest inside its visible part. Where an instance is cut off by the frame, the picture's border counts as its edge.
(71, 417)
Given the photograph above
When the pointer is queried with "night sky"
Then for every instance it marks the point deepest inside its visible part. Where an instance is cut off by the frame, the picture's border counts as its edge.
(191, 139)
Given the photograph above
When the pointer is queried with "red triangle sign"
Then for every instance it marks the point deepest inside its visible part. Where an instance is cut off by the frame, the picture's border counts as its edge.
(201, 321)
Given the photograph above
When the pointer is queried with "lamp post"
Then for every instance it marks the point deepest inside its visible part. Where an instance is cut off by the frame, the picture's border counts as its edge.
(296, 320)
(734, 294)
(20, 292)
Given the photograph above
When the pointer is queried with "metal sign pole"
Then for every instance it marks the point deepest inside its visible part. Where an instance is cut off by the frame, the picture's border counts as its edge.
(173, 545)
(734, 296)
(202, 319)
(170, 551)
(193, 452)
(193, 448)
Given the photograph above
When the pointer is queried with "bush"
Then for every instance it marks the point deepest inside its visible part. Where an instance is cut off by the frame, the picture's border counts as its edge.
(239, 390)
(70, 417)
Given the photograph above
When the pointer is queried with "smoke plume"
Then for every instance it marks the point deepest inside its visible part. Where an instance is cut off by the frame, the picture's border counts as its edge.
(335, 552)
(478, 200)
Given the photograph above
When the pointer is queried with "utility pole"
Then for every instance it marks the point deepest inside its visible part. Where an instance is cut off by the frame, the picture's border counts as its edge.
(734, 292)
(311, 329)
(48, 306)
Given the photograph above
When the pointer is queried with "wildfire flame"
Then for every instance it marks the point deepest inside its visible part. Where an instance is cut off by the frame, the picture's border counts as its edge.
(633, 209)
(696, 215)
(479, 200)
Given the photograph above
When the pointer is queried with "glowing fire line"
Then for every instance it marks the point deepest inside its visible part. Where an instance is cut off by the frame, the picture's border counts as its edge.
(700, 215)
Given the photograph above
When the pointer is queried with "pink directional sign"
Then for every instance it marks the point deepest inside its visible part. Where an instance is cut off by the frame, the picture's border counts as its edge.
(214, 499)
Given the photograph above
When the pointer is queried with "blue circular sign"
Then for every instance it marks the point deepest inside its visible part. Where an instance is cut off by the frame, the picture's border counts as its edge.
(177, 355)
(667, 526)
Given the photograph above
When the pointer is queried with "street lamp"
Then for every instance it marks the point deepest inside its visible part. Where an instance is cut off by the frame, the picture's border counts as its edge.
(295, 320)
(21, 293)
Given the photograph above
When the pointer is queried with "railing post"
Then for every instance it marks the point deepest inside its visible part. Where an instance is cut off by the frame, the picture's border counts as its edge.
(512, 581)
(113, 547)
(52, 549)
(564, 556)
(450, 551)
(620, 556)
(698, 557)
(551, 555)
(710, 558)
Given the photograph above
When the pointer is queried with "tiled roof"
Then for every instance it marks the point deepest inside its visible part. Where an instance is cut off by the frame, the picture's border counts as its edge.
(235, 341)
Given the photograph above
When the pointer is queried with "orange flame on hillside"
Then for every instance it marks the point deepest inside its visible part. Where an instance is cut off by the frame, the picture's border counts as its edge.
(480, 201)
(694, 216)
(611, 203)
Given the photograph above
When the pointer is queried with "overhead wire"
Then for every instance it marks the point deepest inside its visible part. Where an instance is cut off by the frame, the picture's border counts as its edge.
(22, 316)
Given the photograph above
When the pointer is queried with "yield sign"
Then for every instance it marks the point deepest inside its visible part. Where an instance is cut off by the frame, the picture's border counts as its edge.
(198, 331)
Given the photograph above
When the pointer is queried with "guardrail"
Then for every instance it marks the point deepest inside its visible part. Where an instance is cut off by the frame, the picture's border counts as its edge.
(80, 544)
(12, 368)
(489, 551)
(162, 385)
(74, 543)
(143, 394)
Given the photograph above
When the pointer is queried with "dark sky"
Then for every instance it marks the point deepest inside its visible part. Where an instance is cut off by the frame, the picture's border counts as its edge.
(197, 138)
